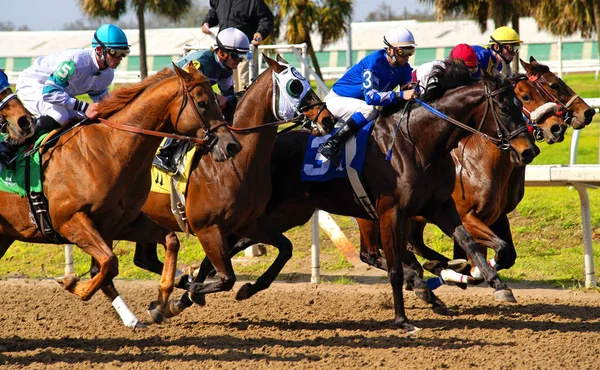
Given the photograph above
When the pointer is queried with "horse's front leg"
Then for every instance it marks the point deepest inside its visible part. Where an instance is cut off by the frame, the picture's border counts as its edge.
(447, 219)
(506, 257)
(145, 230)
(393, 228)
(369, 244)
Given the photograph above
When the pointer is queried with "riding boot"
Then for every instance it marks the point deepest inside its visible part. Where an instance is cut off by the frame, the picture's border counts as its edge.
(165, 158)
(332, 147)
(8, 151)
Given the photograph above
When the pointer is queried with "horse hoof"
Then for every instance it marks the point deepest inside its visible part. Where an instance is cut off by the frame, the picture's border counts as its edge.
(244, 292)
(182, 282)
(461, 266)
(155, 314)
(174, 308)
(410, 329)
(68, 281)
(140, 325)
(199, 299)
(505, 295)
(423, 294)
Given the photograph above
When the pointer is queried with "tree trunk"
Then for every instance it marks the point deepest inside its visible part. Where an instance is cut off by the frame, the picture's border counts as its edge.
(142, 31)
(596, 6)
(313, 58)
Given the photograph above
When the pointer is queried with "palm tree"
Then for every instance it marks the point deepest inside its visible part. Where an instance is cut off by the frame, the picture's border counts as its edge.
(329, 17)
(173, 9)
(500, 11)
(566, 17)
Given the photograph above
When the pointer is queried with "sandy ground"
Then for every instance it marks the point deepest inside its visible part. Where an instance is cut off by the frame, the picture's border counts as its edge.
(299, 325)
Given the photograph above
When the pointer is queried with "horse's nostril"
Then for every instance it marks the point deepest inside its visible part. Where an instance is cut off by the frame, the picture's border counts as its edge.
(233, 148)
(589, 114)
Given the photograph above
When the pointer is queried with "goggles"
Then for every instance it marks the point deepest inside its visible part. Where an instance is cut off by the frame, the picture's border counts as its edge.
(117, 53)
(237, 57)
(404, 52)
(513, 49)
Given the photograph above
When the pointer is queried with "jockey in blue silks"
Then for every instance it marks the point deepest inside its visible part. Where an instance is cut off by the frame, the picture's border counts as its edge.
(354, 98)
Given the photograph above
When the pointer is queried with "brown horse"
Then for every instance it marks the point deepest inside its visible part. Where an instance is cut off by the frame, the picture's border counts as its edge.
(418, 180)
(15, 119)
(223, 198)
(96, 178)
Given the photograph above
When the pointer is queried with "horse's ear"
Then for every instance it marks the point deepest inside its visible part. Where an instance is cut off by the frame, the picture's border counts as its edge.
(273, 64)
(281, 60)
(182, 73)
(532, 60)
(525, 65)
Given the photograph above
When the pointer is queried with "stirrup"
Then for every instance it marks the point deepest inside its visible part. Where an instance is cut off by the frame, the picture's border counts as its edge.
(165, 165)
(329, 150)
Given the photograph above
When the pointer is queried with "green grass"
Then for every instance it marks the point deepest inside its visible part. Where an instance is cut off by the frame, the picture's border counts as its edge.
(546, 230)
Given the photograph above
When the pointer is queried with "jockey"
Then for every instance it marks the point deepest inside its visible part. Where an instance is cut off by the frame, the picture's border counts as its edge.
(370, 83)
(503, 46)
(230, 48)
(462, 52)
(48, 88)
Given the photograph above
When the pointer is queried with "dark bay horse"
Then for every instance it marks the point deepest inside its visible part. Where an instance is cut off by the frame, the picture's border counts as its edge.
(15, 119)
(487, 188)
(96, 178)
(223, 198)
(420, 177)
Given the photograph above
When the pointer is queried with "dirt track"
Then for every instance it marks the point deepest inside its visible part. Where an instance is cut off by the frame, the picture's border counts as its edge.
(300, 326)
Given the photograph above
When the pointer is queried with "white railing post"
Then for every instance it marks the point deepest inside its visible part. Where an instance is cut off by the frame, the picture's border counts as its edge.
(586, 225)
(315, 271)
(69, 266)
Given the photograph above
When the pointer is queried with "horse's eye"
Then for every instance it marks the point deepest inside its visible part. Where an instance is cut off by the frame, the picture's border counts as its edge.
(295, 88)
(554, 86)
(201, 105)
(504, 109)
(525, 97)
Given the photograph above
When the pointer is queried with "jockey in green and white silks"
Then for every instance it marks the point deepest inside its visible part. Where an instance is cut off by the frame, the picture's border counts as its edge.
(48, 88)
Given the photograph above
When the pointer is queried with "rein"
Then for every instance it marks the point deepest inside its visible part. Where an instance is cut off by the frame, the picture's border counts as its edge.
(502, 141)
(301, 119)
(138, 130)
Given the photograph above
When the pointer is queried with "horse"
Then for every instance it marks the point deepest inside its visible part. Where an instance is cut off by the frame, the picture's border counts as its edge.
(15, 119)
(96, 177)
(419, 178)
(225, 198)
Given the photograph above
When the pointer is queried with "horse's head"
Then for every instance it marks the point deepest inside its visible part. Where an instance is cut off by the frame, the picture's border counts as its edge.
(572, 107)
(296, 100)
(14, 118)
(199, 105)
(506, 121)
(540, 110)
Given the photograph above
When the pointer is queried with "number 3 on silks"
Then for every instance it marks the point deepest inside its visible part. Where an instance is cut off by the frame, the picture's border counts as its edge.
(367, 78)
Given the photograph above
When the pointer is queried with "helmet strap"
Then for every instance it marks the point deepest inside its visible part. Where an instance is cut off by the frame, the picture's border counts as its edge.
(103, 54)
(500, 48)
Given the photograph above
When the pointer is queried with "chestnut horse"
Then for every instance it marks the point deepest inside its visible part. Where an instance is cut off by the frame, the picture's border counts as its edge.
(96, 178)
(419, 178)
(15, 119)
(223, 198)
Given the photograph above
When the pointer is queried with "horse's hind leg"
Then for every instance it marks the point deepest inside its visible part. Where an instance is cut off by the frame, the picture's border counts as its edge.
(370, 243)
(485, 238)
(146, 257)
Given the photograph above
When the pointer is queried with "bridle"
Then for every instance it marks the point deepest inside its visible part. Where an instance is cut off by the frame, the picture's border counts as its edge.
(504, 135)
(206, 142)
(3, 103)
(299, 118)
(563, 109)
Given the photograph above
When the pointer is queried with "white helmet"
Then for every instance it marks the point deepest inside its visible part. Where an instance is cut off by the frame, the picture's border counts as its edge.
(232, 40)
(399, 37)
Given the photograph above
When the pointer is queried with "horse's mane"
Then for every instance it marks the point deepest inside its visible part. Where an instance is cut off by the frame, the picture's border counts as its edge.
(514, 78)
(452, 73)
(119, 98)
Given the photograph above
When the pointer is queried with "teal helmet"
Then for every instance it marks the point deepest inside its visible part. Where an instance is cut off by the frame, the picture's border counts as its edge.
(111, 36)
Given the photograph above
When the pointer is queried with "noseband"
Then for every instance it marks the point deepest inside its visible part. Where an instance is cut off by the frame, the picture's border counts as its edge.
(563, 111)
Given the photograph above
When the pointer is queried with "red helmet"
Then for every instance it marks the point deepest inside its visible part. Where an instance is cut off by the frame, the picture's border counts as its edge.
(466, 53)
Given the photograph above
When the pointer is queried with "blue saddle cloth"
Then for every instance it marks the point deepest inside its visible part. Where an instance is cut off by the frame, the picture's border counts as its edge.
(318, 168)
